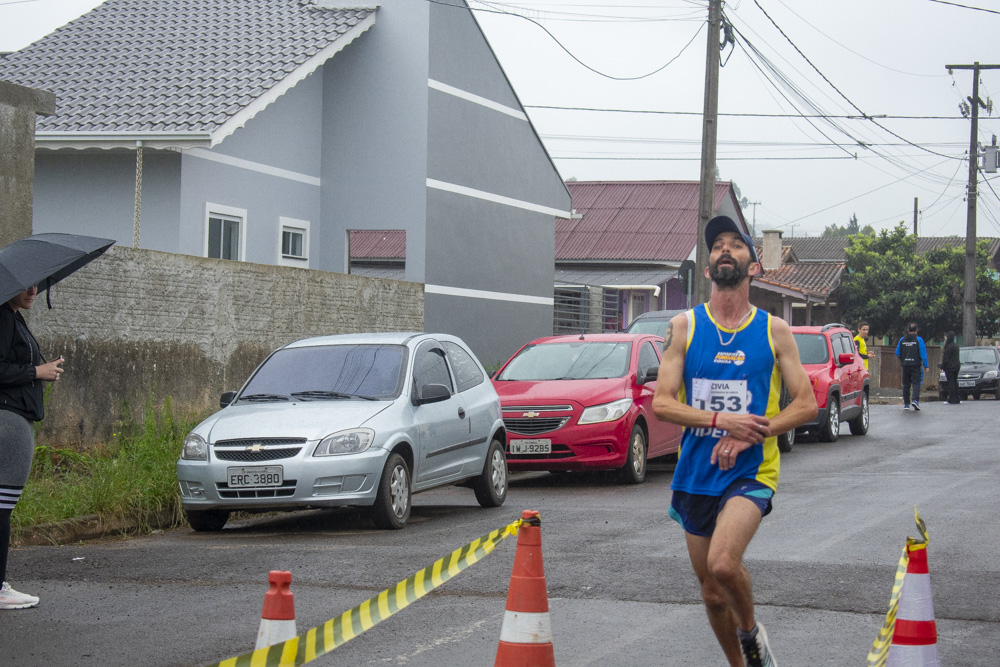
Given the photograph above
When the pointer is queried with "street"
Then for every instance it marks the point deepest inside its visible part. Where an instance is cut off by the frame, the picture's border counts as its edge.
(620, 587)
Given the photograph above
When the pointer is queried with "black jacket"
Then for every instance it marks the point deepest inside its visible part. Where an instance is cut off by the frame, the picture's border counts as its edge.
(20, 392)
(949, 357)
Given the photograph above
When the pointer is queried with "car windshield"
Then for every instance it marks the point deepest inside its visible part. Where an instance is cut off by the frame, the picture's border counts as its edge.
(650, 326)
(577, 360)
(329, 372)
(812, 348)
(977, 356)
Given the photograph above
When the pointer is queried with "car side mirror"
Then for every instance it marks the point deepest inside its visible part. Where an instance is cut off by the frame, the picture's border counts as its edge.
(433, 393)
(845, 358)
(227, 398)
(651, 374)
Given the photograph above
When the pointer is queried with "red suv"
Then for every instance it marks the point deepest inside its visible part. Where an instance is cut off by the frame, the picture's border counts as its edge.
(839, 380)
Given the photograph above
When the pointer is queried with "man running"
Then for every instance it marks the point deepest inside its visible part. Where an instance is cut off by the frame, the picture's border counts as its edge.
(721, 375)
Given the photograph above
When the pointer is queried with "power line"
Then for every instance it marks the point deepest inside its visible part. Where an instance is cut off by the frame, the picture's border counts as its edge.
(955, 4)
(745, 115)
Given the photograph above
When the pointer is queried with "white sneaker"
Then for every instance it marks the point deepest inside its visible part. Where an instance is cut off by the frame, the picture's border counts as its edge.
(756, 650)
(11, 599)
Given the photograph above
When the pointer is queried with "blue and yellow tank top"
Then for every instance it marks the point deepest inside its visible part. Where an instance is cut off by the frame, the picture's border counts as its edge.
(727, 370)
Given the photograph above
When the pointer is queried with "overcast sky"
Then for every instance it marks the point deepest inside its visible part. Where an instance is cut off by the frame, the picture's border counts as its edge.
(880, 58)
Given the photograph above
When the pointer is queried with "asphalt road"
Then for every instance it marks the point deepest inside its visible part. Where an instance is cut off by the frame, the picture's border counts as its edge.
(619, 583)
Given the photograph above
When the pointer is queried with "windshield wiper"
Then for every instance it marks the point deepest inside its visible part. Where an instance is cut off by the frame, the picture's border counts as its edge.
(321, 393)
(264, 397)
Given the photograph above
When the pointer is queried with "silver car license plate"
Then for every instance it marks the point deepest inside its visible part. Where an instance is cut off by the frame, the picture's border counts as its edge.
(255, 476)
(966, 383)
(531, 446)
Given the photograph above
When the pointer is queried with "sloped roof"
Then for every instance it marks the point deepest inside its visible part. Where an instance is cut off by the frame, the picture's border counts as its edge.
(825, 249)
(632, 220)
(811, 279)
(179, 66)
(378, 244)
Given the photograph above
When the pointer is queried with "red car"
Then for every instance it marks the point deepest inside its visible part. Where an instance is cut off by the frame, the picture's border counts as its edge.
(584, 402)
(839, 380)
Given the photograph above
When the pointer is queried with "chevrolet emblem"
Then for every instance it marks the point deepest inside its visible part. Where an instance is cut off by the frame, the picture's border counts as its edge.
(531, 415)
(256, 447)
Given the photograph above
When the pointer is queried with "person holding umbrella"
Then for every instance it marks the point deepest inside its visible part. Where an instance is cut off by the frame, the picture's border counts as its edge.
(41, 259)
(22, 372)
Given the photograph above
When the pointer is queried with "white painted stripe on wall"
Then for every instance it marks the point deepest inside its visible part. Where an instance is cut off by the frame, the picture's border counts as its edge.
(498, 199)
(483, 294)
(522, 627)
(476, 99)
(240, 163)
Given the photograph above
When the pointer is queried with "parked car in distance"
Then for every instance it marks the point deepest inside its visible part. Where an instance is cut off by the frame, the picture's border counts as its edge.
(653, 322)
(356, 419)
(584, 402)
(978, 375)
(839, 380)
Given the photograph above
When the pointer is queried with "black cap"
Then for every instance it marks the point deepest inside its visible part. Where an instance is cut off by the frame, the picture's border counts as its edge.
(723, 223)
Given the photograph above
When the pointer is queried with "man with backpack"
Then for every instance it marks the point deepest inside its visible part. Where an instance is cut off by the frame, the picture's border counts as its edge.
(912, 355)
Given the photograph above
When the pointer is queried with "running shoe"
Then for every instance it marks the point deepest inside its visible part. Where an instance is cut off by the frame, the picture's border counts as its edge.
(756, 650)
(916, 406)
(11, 599)
(906, 407)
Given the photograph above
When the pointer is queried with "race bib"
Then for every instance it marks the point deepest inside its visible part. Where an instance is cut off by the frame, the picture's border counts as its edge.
(720, 395)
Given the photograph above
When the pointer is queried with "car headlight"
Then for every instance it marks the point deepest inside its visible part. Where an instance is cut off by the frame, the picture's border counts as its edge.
(607, 412)
(195, 448)
(352, 441)
(989, 374)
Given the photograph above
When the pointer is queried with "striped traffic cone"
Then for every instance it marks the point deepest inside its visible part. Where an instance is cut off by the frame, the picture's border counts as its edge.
(914, 639)
(277, 619)
(526, 634)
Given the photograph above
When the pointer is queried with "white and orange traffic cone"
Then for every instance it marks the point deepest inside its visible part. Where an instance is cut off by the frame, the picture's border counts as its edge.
(914, 639)
(526, 634)
(277, 619)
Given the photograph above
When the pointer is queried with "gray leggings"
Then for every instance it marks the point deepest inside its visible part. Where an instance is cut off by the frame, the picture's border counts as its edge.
(17, 446)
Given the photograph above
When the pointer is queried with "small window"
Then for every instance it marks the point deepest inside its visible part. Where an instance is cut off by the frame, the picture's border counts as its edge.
(294, 242)
(648, 358)
(467, 372)
(430, 368)
(225, 232)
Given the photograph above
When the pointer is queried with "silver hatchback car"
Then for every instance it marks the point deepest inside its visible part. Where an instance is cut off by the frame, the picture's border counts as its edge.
(356, 419)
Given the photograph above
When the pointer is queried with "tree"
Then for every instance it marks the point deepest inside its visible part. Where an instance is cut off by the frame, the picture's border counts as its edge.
(853, 227)
(889, 285)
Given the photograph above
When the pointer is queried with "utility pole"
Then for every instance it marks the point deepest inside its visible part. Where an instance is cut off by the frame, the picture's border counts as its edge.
(915, 216)
(969, 309)
(753, 230)
(709, 131)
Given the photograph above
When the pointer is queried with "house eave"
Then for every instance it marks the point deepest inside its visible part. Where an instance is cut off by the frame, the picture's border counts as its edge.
(52, 140)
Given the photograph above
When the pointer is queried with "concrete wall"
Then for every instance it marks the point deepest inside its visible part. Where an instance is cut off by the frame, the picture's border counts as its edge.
(18, 107)
(140, 324)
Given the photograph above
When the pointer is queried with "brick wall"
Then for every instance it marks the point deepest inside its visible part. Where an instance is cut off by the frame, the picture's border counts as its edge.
(138, 325)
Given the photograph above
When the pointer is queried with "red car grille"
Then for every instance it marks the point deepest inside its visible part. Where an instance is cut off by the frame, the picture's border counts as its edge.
(534, 425)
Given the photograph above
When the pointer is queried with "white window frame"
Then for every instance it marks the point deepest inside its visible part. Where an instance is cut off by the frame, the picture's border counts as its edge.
(239, 214)
(293, 224)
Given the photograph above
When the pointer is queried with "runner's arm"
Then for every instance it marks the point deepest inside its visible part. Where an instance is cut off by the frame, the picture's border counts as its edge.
(803, 405)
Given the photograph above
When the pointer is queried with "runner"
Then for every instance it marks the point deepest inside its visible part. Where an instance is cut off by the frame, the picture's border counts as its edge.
(720, 379)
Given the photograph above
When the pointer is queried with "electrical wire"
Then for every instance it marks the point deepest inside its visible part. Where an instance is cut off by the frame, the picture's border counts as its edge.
(743, 115)
(955, 4)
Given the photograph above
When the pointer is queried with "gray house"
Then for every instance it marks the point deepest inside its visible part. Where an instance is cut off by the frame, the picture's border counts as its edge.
(268, 130)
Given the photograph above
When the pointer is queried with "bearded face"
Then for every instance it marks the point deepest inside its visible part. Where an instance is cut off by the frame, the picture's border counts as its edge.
(727, 271)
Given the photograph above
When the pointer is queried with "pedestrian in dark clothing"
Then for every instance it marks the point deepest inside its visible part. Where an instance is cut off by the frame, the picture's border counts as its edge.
(951, 364)
(912, 355)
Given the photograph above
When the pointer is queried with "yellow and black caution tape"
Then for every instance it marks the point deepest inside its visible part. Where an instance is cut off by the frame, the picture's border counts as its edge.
(880, 649)
(339, 630)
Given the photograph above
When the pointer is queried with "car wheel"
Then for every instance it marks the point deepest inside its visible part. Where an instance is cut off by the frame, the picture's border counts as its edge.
(786, 441)
(831, 429)
(392, 502)
(859, 425)
(491, 484)
(976, 396)
(634, 470)
(207, 521)
(996, 394)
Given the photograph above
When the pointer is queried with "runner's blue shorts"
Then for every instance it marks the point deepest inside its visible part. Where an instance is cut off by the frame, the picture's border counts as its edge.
(697, 513)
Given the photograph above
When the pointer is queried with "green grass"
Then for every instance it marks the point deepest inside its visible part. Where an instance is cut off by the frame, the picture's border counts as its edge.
(132, 477)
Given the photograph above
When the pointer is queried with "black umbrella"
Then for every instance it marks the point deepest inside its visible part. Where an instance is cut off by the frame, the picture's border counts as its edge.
(44, 260)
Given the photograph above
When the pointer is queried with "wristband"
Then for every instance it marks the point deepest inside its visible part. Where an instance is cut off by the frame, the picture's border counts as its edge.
(715, 416)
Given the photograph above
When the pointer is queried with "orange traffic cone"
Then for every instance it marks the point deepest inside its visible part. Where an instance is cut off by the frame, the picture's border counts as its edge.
(526, 634)
(277, 619)
(914, 639)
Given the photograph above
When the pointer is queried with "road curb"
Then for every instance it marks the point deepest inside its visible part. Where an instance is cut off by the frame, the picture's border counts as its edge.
(88, 527)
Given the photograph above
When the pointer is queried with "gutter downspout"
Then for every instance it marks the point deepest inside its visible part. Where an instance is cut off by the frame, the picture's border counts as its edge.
(138, 193)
